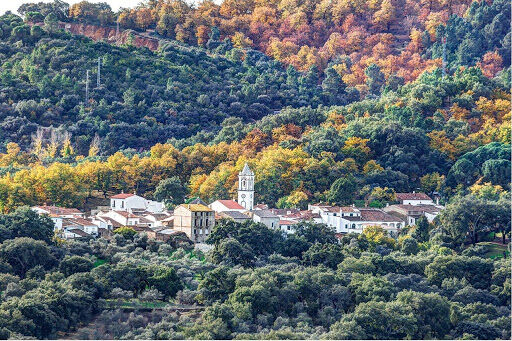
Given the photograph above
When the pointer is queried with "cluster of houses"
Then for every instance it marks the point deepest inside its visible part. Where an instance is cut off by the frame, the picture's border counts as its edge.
(196, 219)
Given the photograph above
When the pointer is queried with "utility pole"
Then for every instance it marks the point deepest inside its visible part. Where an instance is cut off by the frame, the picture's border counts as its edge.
(99, 72)
(444, 57)
(87, 88)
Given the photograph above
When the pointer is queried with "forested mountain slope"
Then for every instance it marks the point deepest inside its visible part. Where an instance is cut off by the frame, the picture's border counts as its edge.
(338, 101)
(309, 135)
(148, 97)
(143, 97)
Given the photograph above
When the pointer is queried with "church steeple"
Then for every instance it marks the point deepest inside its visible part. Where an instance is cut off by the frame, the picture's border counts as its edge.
(246, 188)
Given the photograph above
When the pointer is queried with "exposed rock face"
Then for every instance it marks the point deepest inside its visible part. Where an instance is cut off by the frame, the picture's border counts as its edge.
(108, 34)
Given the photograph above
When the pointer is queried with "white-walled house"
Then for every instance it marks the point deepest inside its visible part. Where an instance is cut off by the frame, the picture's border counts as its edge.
(123, 218)
(105, 223)
(287, 226)
(58, 214)
(266, 217)
(129, 202)
(82, 224)
(353, 220)
(414, 199)
(226, 205)
(157, 219)
(411, 213)
(370, 217)
(63, 212)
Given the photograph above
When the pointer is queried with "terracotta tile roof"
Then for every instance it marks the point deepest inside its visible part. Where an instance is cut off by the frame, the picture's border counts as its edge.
(122, 196)
(234, 215)
(231, 204)
(348, 209)
(81, 221)
(58, 211)
(287, 222)
(79, 232)
(111, 221)
(284, 211)
(302, 215)
(139, 228)
(261, 207)
(418, 208)
(126, 214)
(353, 218)
(143, 220)
(374, 214)
(265, 214)
(158, 216)
(412, 196)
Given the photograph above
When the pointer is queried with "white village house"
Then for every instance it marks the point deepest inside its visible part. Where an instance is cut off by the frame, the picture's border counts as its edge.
(354, 220)
(414, 199)
(131, 202)
(69, 223)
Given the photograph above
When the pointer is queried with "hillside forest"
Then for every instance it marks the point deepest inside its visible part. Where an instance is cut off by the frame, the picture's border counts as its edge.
(198, 109)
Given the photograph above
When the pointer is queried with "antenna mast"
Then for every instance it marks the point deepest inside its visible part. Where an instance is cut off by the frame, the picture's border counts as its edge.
(87, 88)
(99, 72)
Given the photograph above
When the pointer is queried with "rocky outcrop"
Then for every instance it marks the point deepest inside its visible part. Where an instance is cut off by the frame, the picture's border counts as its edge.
(108, 34)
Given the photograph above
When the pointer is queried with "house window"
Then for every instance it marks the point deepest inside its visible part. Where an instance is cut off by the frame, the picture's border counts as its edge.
(353, 226)
(122, 204)
(346, 226)
(113, 204)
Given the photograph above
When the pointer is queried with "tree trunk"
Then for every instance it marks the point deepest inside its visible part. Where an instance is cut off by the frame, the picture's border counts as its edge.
(503, 236)
(473, 237)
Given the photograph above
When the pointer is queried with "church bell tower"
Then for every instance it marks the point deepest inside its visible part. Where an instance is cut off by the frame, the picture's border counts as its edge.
(246, 188)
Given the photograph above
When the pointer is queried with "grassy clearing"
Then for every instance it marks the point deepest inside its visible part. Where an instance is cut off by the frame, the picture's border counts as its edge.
(495, 251)
(99, 262)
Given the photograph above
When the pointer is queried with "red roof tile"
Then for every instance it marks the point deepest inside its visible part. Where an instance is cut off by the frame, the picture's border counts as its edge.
(376, 215)
(287, 222)
(231, 204)
(412, 196)
(121, 196)
(348, 209)
(126, 214)
(58, 211)
(81, 221)
(80, 232)
(261, 207)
